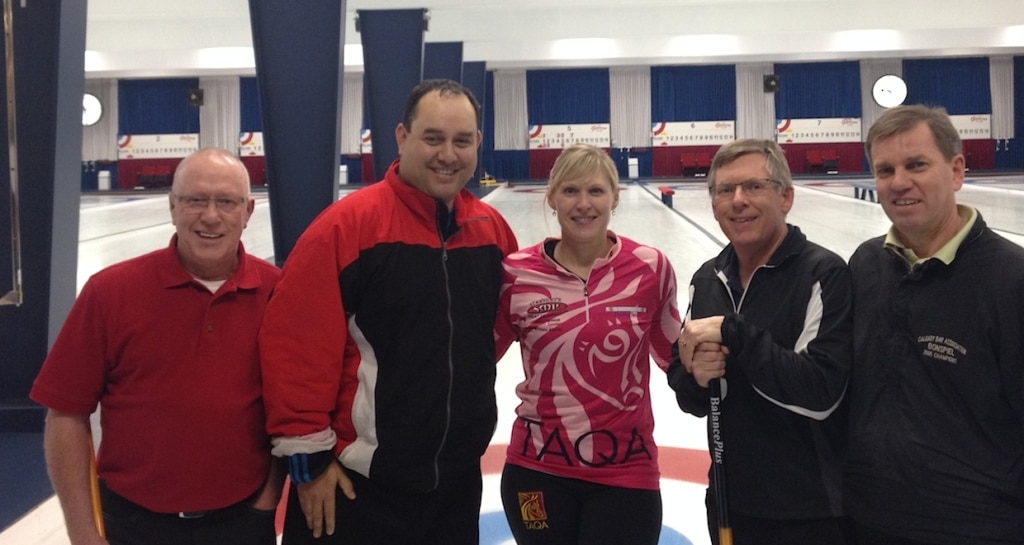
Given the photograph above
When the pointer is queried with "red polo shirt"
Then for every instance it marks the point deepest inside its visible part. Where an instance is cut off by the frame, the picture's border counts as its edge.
(176, 372)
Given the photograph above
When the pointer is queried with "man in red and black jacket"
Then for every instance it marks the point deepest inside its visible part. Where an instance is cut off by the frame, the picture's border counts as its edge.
(378, 349)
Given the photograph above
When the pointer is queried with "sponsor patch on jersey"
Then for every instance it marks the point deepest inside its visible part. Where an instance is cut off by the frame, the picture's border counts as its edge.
(626, 310)
(546, 306)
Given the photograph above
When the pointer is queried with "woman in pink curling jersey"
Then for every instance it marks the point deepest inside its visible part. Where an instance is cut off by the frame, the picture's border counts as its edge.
(589, 310)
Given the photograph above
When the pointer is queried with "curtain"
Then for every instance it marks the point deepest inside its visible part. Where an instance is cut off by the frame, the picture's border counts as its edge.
(630, 103)
(755, 109)
(99, 141)
(818, 90)
(693, 93)
(219, 123)
(568, 96)
(250, 116)
(1012, 154)
(1001, 83)
(157, 106)
(510, 119)
(510, 164)
(960, 85)
(351, 113)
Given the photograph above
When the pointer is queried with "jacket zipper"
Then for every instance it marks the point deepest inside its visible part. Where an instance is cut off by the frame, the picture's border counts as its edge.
(750, 282)
(451, 365)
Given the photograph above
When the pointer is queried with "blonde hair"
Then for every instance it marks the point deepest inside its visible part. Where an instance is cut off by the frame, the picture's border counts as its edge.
(577, 161)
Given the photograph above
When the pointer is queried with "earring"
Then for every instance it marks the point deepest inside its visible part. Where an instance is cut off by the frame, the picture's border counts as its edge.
(613, 211)
(553, 212)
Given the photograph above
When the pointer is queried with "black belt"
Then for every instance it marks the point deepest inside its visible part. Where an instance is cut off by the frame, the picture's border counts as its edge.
(116, 504)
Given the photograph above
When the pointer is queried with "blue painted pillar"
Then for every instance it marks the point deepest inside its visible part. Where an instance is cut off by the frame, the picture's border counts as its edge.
(49, 73)
(443, 60)
(299, 66)
(393, 64)
(474, 78)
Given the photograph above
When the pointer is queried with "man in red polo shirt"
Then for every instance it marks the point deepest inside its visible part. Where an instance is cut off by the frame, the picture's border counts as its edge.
(165, 343)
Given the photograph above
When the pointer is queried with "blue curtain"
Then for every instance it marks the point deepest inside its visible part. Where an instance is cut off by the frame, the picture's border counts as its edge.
(959, 85)
(156, 106)
(1012, 156)
(510, 164)
(487, 144)
(693, 93)
(474, 77)
(818, 90)
(249, 105)
(555, 97)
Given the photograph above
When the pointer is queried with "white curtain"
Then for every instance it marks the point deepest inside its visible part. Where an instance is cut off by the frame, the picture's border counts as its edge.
(871, 70)
(630, 95)
(1000, 75)
(351, 113)
(99, 142)
(220, 115)
(510, 119)
(755, 109)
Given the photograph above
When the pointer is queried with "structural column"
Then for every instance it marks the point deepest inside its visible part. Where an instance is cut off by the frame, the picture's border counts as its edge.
(393, 65)
(443, 60)
(49, 80)
(299, 66)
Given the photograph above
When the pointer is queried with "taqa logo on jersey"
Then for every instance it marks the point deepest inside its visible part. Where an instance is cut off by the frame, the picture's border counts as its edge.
(546, 306)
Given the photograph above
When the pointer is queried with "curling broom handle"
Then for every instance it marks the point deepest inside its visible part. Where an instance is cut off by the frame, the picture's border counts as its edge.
(718, 464)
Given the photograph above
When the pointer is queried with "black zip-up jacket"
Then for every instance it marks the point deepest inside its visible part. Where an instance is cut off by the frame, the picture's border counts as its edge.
(378, 343)
(937, 393)
(787, 370)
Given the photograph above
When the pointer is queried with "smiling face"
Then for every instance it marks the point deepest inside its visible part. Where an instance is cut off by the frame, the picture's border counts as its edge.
(917, 187)
(208, 235)
(584, 206)
(438, 150)
(755, 224)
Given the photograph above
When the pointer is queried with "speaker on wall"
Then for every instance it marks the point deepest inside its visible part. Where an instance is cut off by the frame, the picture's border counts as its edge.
(771, 83)
(195, 97)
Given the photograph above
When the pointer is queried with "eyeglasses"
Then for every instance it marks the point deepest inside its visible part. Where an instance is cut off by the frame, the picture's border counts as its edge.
(751, 188)
(199, 203)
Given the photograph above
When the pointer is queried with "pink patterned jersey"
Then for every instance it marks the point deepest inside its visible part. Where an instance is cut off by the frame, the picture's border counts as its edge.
(586, 410)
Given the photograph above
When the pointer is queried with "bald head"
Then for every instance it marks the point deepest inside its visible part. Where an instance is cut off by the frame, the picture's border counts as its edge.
(210, 207)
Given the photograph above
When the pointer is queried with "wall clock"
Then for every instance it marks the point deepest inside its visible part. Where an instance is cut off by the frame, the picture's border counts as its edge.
(92, 109)
(889, 90)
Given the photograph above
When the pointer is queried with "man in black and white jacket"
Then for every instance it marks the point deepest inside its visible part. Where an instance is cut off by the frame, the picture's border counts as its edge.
(770, 318)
